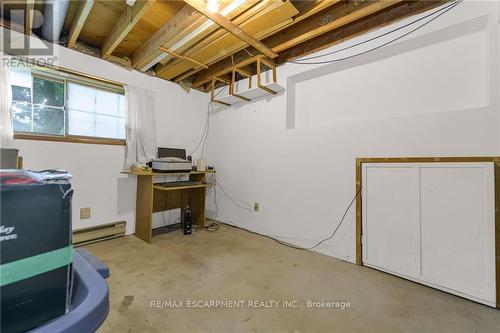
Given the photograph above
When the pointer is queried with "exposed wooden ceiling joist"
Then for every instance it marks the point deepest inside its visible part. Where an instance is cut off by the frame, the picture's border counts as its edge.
(208, 35)
(235, 49)
(326, 21)
(309, 28)
(312, 8)
(259, 26)
(231, 27)
(194, 38)
(180, 56)
(359, 27)
(185, 23)
(174, 28)
(307, 9)
(127, 21)
(81, 15)
(261, 8)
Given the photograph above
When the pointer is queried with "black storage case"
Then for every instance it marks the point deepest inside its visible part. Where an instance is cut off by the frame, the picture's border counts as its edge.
(41, 217)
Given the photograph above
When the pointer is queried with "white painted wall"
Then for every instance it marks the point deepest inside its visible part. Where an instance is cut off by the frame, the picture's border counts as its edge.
(97, 180)
(441, 98)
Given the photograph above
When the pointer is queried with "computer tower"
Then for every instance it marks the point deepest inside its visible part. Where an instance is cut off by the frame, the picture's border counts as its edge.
(186, 221)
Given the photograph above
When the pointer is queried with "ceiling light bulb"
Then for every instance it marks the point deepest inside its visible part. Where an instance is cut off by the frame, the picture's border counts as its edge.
(212, 6)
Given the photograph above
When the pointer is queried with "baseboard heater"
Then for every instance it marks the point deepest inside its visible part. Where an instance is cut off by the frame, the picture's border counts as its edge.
(98, 233)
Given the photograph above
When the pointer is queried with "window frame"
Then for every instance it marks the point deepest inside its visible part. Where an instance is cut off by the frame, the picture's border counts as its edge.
(67, 137)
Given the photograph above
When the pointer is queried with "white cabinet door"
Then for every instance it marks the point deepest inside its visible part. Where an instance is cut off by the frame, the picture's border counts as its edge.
(433, 223)
(390, 219)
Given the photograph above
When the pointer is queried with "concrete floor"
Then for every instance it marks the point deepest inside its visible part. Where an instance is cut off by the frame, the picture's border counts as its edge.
(234, 265)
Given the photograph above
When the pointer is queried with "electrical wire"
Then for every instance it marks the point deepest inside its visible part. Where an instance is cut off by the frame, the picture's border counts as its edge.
(214, 225)
(379, 36)
(440, 12)
(249, 53)
(203, 139)
(275, 238)
(229, 197)
(204, 135)
(232, 200)
(208, 130)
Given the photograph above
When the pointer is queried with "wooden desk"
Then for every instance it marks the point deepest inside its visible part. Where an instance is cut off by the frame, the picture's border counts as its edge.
(152, 198)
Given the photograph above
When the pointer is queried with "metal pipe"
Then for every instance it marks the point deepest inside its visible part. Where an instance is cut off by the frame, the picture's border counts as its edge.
(54, 13)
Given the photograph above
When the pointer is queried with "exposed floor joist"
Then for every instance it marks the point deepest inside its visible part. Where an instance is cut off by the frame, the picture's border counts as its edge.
(260, 25)
(231, 27)
(318, 6)
(180, 56)
(357, 28)
(261, 8)
(315, 25)
(178, 40)
(127, 21)
(307, 29)
(82, 13)
(212, 31)
(172, 30)
(182, 26)
(311, 9)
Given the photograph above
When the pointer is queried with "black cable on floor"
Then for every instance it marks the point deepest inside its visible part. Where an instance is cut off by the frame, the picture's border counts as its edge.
(299, 247)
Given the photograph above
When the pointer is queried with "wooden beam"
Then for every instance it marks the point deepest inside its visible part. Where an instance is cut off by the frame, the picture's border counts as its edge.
(262, 24)
(82, 13)
(195, 44)
(180, 27)
(307, 29)
(316, 7)
(305, 10)
(357, 28)
(28, 17)
(315, 25)
(125, 23)
(180, 56)
(234, 50)
(200, 6)
(95, 52)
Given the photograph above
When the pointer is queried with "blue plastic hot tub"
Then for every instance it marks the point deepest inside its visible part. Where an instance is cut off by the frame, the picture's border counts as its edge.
(90, 299)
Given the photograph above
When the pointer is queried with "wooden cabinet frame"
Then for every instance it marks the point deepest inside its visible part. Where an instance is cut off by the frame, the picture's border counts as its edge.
(359, 216)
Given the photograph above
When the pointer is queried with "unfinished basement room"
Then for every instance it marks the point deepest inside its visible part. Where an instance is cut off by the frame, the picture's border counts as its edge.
(234, 166)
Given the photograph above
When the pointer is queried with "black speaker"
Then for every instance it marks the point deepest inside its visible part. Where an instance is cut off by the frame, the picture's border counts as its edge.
(186, 221)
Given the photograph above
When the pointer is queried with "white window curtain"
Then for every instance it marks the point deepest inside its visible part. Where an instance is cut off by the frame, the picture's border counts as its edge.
(6, 130)
(141, 126)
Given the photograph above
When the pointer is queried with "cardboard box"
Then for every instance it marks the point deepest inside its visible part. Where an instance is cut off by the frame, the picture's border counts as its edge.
(35, 254)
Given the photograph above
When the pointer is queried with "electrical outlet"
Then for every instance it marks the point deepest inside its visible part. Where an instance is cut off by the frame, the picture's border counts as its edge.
(85, 213)
(256, 206)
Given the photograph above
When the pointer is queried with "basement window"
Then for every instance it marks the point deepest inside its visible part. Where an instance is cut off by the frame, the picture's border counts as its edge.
(53, 106)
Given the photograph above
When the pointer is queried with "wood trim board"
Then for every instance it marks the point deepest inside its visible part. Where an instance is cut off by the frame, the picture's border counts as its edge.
(70, 139)
(495, 160)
